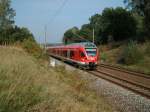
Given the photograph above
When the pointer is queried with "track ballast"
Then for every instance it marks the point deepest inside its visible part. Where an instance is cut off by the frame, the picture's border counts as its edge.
(134, 81)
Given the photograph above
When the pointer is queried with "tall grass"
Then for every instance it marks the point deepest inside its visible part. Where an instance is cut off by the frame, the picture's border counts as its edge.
(25, 86)
(18, 92)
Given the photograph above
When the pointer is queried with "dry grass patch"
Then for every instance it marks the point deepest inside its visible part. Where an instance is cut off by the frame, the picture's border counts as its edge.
(25, 85)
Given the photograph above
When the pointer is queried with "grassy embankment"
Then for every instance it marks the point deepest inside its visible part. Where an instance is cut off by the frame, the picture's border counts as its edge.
(26, 85)
(130, 55)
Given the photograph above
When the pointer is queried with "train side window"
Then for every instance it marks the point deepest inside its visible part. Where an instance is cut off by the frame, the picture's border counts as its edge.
(65, 53)
(71, 53)
(82, 54)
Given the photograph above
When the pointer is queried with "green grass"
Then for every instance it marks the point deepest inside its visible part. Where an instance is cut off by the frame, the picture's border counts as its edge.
(26, 85)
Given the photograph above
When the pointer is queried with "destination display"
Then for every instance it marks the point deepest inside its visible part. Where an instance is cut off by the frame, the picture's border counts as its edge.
(90, 49)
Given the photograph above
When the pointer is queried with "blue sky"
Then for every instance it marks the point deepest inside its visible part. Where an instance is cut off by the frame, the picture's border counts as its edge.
(35, 14)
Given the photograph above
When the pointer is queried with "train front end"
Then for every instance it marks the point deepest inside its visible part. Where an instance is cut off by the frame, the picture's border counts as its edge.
(90, 56)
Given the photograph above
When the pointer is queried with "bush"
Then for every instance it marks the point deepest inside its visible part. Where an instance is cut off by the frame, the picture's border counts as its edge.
(103, 57)
(32, 48)
(131, 54)
(15, 34)
(147, 50)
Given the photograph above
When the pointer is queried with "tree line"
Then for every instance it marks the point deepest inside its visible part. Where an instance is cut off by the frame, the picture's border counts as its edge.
(115, 24)
(9, 32)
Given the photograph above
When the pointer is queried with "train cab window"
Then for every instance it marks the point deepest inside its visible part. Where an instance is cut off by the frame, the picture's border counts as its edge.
(91, 52)
(82, 54)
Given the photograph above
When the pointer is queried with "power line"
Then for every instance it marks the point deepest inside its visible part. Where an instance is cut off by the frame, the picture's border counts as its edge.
(93, 35)
(45, 37)
(55, 15)
(81, 37)
(58, 11)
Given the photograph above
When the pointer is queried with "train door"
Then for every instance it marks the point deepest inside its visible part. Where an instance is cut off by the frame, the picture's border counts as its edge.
(82, 55)
(77, 57)
(72, 54)
(68, 53)
(64, 53)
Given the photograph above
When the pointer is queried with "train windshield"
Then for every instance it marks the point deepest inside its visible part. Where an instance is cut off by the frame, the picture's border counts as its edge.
(91, 52)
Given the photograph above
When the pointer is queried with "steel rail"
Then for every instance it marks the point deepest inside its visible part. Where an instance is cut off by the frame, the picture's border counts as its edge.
(144, 91)
(131, 72)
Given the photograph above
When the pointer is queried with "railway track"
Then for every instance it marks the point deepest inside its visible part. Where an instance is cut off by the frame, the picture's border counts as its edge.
(132, 72)
(131, 80)
(134, 81)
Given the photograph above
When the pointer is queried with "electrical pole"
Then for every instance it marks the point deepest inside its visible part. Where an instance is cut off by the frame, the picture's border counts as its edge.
(93, 35)
(39, 41)
(45, 36)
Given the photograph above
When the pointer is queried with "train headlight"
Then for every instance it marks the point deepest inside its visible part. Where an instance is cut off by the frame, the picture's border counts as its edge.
(91, 58)
(82, 63)
(82, 59)
(87, 63)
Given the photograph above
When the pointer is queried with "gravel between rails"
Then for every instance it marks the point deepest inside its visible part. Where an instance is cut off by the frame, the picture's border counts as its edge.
(123, 99)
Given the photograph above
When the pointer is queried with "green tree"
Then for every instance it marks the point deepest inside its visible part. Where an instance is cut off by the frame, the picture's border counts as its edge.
(95, 22)
(9, 33)
(117, 24)
(15, 34)
(86, 32)
(142, 7)
(6, 20)
(140, 32)
(112, 25)
(72, 35)
(20, 34)
(6, 14)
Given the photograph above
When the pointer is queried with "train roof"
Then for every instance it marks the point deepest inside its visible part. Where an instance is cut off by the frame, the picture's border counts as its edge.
(76, 45)
(83, 44)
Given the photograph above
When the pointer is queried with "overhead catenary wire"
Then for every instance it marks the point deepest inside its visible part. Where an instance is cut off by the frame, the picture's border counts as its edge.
(81, 37)
(93, 34)
(58, 11)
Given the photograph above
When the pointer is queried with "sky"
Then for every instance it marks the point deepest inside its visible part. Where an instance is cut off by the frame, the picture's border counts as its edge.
(57, 15)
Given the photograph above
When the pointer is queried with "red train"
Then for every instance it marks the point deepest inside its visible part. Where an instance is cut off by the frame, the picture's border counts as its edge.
(81, 54)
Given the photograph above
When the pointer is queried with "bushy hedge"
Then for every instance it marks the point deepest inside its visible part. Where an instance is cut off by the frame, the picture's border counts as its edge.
(14, 34)
(32, 48)
(103, 57)
(131, 54)
(147, 51)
